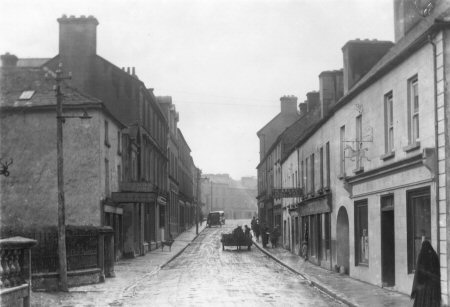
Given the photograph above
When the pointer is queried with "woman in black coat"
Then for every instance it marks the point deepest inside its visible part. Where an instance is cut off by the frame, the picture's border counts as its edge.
(426, 290)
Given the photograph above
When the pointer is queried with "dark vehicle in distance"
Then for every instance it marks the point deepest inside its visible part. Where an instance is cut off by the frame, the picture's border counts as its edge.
(222, 216)
(213, 219)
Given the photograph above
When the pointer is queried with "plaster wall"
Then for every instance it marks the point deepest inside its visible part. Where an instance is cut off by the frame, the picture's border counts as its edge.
(29, 194)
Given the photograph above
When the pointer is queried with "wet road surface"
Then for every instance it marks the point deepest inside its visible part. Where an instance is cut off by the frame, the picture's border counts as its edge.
(204, 275)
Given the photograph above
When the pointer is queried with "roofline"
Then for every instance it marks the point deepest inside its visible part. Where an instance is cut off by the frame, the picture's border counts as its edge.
(52, 107)
(383, 70)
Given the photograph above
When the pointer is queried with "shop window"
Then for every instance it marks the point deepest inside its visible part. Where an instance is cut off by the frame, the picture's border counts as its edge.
(418, 223)
(361, 233)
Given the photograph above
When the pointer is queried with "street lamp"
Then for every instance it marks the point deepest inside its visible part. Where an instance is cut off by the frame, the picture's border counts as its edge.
(60, 119)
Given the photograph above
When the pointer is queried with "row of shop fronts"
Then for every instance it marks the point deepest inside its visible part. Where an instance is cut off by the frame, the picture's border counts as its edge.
(357, 187)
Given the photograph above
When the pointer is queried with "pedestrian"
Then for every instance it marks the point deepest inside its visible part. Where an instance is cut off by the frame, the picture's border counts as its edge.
(257, 230)
(274, 236)
(264, 235)
(426, 290)
(252, 224)
(247, 232)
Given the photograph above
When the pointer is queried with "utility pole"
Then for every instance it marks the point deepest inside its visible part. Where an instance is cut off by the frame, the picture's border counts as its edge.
(58, 77)
(60, 119)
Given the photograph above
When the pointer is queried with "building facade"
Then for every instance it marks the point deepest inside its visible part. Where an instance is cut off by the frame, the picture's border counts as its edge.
(267, 169)
(374, 172)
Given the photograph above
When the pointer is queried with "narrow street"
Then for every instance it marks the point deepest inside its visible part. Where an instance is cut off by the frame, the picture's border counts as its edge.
(204, 275)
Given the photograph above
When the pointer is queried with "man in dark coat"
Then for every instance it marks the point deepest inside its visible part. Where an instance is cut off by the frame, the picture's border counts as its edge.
(426, 290)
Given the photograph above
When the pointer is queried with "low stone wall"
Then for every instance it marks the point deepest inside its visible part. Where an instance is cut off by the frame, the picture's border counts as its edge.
(49, 281)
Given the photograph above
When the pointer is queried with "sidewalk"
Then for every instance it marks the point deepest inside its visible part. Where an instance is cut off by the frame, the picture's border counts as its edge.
(129, 273)
(342, 287)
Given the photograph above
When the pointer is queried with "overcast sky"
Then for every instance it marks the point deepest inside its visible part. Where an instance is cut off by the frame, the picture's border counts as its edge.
(225, 63)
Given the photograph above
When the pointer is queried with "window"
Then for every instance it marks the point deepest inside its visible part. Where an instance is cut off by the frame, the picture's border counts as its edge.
(312, 173)
(361, 233)
(162, 216)
(418, 223)
(358, 138)
(107, 177)
(388, 123)
(321, 168)
(342, 151)
(302, 179)
(119, 174)
(107, 133)
(119, 142)
(327, 154)
(308, 184)
(413, 110)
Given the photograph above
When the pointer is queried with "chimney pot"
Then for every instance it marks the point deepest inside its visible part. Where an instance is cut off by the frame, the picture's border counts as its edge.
(128, 70)
(133, 71)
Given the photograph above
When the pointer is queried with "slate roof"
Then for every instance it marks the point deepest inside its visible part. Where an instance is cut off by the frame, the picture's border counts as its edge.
(14, 81)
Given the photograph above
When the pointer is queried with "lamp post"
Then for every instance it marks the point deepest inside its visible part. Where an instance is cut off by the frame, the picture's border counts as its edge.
(60, 119)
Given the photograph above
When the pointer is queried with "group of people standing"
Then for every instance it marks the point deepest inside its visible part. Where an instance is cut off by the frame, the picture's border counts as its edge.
(262, 230)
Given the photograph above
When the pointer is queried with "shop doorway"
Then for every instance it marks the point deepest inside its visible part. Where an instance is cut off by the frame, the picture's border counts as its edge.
(387, 241)
(342, 238)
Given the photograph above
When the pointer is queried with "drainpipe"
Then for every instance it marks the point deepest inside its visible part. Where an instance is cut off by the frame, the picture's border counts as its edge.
(436, 174)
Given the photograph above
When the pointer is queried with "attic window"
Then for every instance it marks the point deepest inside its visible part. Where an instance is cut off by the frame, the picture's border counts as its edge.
(26, 95)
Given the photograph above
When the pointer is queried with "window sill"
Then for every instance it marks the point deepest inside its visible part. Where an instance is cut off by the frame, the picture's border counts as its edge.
(412, 147)
(364, 265)
(387, 156)
(358, 170)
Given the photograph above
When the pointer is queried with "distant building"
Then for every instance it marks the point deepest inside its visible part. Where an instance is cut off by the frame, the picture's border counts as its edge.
(236, 198)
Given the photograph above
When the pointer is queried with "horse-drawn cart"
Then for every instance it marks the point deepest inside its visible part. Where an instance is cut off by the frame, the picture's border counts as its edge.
(238, 241)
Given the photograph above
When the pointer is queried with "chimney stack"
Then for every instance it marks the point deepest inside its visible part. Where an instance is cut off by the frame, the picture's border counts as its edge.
(288, 104)
(359, 57)
(9, 60)
(303, 106)
(78, 49)
(331, 89)
(313, 101)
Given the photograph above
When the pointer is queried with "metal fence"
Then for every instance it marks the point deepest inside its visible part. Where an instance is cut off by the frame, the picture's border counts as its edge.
(81, 247)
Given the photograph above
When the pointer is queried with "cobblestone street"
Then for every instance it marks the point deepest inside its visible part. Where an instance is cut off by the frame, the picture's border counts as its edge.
(204, 275)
